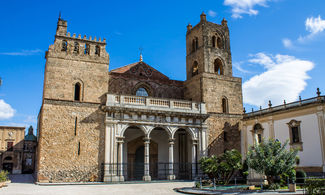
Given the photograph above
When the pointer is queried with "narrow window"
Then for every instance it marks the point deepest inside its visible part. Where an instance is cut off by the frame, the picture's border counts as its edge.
(213, 41)
(224, 105)
(225, 139)
(196, 43)
(258, 133)
(77, 88)
(64, 45)
(193, 45)
(78, 148)
(295, 135)
(10, 146)
(219, 43)
(97, 50)
(76, 48)
(75, 126)
(195, 69)
(259, 136)
(87, 49)
(218, 66)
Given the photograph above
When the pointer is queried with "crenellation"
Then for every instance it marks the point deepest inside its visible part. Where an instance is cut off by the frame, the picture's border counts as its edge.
(74, 35)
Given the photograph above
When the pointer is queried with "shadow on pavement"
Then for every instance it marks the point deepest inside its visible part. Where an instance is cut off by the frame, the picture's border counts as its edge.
(21, 178)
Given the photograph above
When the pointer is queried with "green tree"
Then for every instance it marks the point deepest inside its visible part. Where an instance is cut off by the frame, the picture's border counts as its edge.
(222, 167)
(271, 159)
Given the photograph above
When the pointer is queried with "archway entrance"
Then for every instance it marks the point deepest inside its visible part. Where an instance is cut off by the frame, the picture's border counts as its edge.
(182, 156)
(7, 167)
(139, 163)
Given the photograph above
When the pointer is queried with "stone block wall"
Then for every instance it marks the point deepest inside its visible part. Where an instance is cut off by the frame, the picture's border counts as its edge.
(71, 142)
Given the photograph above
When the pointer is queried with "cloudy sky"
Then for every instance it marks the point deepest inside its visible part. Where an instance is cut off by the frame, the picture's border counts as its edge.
(277, 45)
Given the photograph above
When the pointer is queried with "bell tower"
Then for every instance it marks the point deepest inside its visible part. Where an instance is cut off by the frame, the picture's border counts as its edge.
(210, 80)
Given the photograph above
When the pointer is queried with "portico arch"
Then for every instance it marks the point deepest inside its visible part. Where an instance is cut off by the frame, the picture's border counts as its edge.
(142, 128)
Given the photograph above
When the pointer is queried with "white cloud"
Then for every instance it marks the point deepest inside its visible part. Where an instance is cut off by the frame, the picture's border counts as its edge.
(287, 43)
(240, 7)
(238, 66)
(284, 79)
(212, 13)
(314, 26)
(23, 53)
(6, 111)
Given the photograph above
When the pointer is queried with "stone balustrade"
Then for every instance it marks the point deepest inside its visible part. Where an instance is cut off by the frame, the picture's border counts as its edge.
(155, 103)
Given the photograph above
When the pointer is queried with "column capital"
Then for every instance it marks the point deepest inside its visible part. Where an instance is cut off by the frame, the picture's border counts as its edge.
(120, 139)
(194, 141)
(171, 141)
(146, 140)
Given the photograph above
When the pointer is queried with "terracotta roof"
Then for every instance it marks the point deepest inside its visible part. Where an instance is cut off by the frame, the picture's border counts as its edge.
(125, 68)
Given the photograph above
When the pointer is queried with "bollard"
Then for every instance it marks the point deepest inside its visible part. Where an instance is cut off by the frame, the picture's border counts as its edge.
(200, 182)
(214, 183)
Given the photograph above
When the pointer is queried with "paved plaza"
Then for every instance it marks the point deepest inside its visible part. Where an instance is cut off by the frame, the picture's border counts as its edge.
(22, 185)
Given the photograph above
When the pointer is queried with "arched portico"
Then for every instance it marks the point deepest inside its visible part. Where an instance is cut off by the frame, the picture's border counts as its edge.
(160, 135)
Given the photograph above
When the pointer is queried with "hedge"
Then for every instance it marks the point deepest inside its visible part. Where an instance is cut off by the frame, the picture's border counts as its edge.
(315, 186)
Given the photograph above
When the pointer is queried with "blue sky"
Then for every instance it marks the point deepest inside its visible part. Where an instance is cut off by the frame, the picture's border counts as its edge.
(277, 45)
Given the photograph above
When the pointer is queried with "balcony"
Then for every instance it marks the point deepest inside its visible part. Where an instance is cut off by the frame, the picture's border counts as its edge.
(149, 103)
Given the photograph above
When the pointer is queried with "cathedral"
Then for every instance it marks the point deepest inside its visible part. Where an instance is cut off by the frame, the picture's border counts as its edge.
(135, 123)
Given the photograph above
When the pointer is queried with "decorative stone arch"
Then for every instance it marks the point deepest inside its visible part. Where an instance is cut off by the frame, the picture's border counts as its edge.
(141, 127)
(188, 130)
(81, 91)
(144, 85)
(218, 66)
(168, 130)
(64, 45)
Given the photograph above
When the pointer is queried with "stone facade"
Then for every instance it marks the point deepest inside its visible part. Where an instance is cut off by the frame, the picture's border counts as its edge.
(70, 122)
(91, 120)
(208, 48)
(11, 148)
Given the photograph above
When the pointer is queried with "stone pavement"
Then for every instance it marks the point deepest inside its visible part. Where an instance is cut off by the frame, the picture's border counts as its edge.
(21, 185)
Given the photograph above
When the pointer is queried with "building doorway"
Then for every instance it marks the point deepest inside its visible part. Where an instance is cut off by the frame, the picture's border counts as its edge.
(7, 167)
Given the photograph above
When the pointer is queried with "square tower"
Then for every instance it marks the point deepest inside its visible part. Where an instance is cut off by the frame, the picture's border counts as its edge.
(70, 123)
(210, 80)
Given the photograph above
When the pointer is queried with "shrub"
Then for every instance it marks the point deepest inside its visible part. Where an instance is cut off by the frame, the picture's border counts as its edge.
(315, 186)
(272, 159)
(223, 167)
(273, 186)
(300, 175)
(3, 176)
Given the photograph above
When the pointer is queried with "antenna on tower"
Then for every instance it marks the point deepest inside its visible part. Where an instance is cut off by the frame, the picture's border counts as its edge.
(60, 15)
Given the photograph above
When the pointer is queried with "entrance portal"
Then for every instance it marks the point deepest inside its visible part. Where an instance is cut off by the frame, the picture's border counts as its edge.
(139, 163)
(7, 167)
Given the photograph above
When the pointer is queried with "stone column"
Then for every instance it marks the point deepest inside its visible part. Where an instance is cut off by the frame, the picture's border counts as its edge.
(146, 176)
(171, 175)
(194, 144)
(321, 127)
(109, 166)
(120, 160)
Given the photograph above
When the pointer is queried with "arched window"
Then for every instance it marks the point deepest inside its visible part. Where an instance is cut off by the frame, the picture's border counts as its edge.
(224, 105)
(142, 92)
(76, 48)
(219, 43)
(87, 49)
(213, 41)
(64, 45)
(97, 50)
(258, 133)
(8, 158)
(195, 69)
(77, 90)
(218, 67)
